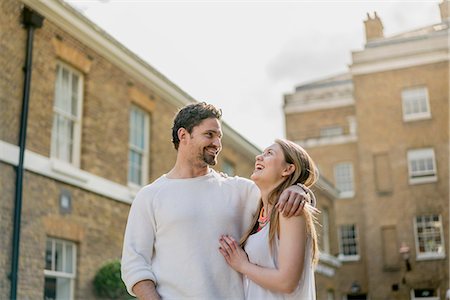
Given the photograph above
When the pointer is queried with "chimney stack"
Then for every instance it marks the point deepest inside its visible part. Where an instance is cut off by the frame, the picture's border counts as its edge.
(374, 27)
(444, 8)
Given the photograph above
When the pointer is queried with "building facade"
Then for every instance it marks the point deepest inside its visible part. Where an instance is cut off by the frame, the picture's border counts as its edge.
(99, 128)
(381, 133)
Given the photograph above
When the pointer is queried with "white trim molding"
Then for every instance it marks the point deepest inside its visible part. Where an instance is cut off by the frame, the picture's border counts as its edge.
(348, 258)
(405, 53)
(296, 107)
(325, 270)
(66, 173)
(329, 259)
(329, 140)
(398, 63)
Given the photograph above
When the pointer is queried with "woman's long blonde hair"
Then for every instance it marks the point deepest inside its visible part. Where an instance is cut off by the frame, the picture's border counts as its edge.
(306, 174)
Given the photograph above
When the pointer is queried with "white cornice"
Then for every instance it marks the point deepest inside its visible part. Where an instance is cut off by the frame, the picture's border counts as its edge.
(62, 172)
(399, 63)
(326, 141)
(329, 259)
(325, 270)
(299, 107)
(399, 55)
(81, 28)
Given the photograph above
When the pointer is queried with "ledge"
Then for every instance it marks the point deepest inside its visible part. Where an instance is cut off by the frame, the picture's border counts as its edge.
(66, 173)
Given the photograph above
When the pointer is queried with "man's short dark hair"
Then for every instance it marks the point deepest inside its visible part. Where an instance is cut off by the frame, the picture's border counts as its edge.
(192, 115)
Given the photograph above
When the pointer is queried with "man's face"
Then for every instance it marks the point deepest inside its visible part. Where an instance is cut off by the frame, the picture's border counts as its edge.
(205, 142)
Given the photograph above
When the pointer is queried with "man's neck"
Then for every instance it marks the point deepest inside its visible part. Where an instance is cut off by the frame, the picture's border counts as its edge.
(184, 171)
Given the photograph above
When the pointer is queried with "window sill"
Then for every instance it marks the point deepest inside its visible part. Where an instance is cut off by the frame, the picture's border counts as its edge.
(348, 258)
(346, 195)
(430, 256)
(329, 259)
(416, 117)
(68, 170)
(134, 188)
(422, 180)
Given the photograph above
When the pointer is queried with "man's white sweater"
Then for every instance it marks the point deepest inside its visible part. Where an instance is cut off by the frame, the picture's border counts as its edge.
(173, 230)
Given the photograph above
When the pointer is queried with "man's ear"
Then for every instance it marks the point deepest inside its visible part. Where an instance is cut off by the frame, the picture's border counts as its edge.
(182, 134)
(290, 168)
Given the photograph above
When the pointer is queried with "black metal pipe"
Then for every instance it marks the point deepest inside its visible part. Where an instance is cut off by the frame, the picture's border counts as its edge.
(31, 21)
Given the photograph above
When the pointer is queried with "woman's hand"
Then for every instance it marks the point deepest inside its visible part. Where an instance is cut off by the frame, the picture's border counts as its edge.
(233, 253)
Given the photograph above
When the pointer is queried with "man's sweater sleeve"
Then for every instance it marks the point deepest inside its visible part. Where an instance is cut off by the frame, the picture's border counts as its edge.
(138, 242)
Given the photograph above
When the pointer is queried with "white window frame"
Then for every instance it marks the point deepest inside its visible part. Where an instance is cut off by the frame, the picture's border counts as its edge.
(58, 274)
(424, 176)
(429, 255)
(343, 257)
(76, 142)
(414, 94)
(347, 193)
(331, 131)
(144, 152)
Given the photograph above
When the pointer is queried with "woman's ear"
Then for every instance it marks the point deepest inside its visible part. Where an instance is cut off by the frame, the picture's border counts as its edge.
(290, 168)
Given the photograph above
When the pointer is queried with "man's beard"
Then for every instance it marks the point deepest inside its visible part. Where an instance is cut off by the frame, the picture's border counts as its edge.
(209, 159)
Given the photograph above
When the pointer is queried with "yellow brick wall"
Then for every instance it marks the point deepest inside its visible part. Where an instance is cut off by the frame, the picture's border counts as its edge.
(96, 223)
(382, 130)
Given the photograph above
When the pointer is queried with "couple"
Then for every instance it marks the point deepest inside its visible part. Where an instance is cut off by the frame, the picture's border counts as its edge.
(177, 223)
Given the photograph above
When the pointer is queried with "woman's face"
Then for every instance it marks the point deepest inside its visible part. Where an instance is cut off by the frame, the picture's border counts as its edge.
(270, 166)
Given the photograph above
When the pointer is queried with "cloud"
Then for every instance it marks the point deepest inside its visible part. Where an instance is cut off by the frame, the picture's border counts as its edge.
(313, 56)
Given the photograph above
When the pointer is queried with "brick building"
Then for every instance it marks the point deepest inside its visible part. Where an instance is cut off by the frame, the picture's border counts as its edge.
(99, 127)
(381, 133)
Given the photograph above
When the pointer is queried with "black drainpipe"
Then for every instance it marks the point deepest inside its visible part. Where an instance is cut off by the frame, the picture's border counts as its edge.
(30, 20)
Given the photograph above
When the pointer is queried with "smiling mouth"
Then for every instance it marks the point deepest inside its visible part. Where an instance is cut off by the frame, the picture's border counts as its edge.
(211, 151)
(258, 167)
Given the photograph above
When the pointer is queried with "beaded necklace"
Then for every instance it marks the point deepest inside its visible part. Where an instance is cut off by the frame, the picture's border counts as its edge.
(263, 220)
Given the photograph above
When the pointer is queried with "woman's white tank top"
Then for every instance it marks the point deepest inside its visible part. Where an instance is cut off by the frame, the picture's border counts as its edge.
(258, 251)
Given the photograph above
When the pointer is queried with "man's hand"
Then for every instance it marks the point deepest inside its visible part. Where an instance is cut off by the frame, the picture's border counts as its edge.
(145, 290)
(292, 200)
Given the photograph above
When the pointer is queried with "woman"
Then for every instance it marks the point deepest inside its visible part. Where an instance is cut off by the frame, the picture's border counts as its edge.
(279, 252)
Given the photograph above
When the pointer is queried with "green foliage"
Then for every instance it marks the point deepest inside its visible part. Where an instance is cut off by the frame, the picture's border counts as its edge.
(108, 283)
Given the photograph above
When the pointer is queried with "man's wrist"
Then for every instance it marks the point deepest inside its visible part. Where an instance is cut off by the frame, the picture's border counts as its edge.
(307, 190)
(303, 187)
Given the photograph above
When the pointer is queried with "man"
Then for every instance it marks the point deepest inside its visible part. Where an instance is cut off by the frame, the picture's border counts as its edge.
(171, 241)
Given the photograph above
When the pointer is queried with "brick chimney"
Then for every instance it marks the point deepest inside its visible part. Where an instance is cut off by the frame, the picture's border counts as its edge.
(374, 27)
(444, 8)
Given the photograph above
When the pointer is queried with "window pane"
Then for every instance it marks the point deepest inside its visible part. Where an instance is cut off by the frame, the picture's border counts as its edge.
(429, 234)
(63, 288)
(58, 256)
(138, 136)
(65, 92)
(344, 177)
(349, 244)
(50, 288)
(48, 255)
(74, 98)
(69, 258)
(415, 101)
(66, 102)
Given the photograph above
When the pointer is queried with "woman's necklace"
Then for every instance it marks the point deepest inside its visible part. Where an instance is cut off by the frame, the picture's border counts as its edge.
(263, 220)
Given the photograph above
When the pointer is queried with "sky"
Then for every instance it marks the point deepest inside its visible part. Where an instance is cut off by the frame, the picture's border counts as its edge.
(244, 56)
